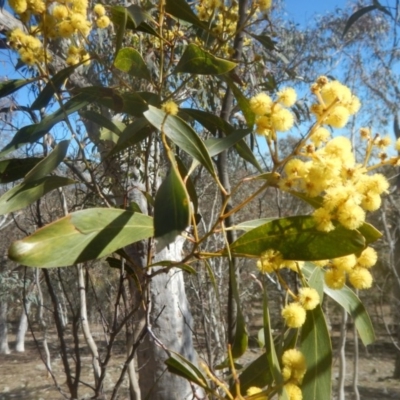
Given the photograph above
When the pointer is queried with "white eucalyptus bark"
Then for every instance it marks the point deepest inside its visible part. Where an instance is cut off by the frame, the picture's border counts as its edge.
(22, 327)
(85, 325)
(4, 348)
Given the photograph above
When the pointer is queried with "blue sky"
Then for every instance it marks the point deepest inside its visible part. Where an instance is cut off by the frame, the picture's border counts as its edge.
(302, 11)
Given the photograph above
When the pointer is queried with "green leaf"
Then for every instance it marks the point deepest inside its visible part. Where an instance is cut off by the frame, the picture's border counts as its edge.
(316, 346)
(11, 86)
(52, 87)
(171, 209)
(134, 133)
(243, 102)
(102, 121)
(119, 17)
(182, 135)
(269, 344)
(130, 61)
(257, 374)
(179, 365)
(210, 121)
(105, 96)
(32, 133)
(134, 104)
(198, 61)
(249, 225)
(213, 123)
(298, 239)
(357, 15)
(353, 305)
(346, 298)
(49, 163)
(182, 10)
(316, 281)
(81, 236)
(26, 193)
(216, 146)
(13, 169)
(266, 41)
(370, 233)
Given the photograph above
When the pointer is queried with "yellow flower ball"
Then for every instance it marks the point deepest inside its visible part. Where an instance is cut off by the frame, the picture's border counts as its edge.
(293, 391)
(103, 22)
(294, 315)
(338, 117)
(282, 120)
(371, 201)
(99, 10)
(346, 263)
(65, 29)
(261, 104)
(335, 278)
(335, 91)
(319, 136)
(350, 215)
(308, 298)
(368, 258)
(270, 260)
(19, 6)
(360, 278)
(263, 125)
(264, 5)
(323, 220)
(354, 105)
(170, 107)
(287, 97)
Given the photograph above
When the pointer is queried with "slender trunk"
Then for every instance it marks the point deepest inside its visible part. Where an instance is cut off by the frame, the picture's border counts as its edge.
(356, 362)
(41, 320)
(86, 329)
(342, 357)
(22, 326)
(4, 348)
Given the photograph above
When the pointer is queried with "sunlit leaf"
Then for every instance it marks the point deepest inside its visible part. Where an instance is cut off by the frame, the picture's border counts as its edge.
(354, 306)
(13, 169)
(26, 193)
(131, 61)
(49, 163)
(119, 17)
(249, 225)
(171, 209)
(316, 281)
(315, 344)
(81, 236)
(198, 61)
(346, 298)
(298, 239)
(179, 365)
(182, 135)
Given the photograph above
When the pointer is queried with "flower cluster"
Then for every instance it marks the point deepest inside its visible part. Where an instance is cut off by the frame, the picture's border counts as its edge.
(63, 19)
(293, 370)
(294, 313)
(273, 116)
(355, 268)
(272, 260)
(328, 168)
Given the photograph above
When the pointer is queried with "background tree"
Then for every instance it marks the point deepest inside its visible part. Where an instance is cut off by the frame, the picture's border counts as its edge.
(148, 131)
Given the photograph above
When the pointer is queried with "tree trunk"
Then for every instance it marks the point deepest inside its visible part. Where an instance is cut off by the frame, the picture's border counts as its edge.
(169, 325)
(22, 327)
(4, 348)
